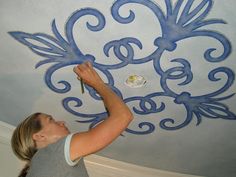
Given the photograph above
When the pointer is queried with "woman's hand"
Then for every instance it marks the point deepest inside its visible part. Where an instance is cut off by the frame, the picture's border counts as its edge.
(88, 75)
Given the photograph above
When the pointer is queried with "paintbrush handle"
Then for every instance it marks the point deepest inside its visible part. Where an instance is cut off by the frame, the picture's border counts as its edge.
(82, 85)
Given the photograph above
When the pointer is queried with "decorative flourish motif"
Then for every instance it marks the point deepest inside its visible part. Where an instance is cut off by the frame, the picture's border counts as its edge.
(176, 25)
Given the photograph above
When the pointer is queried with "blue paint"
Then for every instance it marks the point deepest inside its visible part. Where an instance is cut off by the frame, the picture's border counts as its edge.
(64, 52)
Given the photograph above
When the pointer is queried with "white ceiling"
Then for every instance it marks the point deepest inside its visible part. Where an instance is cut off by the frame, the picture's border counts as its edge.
(185, 118)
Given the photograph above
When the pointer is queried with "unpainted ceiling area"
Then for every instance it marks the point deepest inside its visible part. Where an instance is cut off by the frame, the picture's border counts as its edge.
(171, 61)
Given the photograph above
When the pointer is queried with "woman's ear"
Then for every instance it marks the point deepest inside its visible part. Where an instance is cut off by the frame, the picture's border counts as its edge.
(38, 137)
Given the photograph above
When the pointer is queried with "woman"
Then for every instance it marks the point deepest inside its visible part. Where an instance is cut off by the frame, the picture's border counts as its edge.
(51, 150)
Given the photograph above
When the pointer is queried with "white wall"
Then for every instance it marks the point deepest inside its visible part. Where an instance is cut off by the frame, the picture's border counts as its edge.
(97, 166)
(10, 165)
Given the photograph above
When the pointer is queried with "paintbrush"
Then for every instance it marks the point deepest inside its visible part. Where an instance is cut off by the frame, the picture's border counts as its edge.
(82, 85)
(81, 81)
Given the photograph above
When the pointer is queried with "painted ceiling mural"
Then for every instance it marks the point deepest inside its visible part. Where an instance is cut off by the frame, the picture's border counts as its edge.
(63, 51)
(185, 118)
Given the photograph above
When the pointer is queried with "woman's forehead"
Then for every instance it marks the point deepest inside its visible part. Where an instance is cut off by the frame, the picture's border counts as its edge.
(44, 118)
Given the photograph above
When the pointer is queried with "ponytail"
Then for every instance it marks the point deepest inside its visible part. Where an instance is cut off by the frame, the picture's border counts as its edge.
(24, 171)
(22, 142)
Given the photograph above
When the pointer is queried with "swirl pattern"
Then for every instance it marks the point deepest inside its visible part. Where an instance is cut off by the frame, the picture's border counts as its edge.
(176, 25)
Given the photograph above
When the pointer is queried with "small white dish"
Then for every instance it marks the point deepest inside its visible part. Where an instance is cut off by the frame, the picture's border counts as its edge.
(135, 81)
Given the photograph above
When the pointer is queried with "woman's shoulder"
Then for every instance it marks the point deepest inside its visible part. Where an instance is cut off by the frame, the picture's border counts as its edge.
(52, 148)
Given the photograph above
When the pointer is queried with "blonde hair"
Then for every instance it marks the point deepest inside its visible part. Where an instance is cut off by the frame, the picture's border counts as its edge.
(22, 142)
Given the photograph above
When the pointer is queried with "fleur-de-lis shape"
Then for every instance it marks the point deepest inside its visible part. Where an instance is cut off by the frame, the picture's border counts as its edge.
(205, 105)
(58, 50)
(200, 106)
(175, 28)
(177, 25)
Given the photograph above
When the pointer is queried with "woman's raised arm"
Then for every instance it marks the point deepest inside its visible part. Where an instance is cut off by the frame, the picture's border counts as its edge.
(103, 134)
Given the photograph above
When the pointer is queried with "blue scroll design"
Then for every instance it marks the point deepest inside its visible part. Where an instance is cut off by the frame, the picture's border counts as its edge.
(175, 26)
